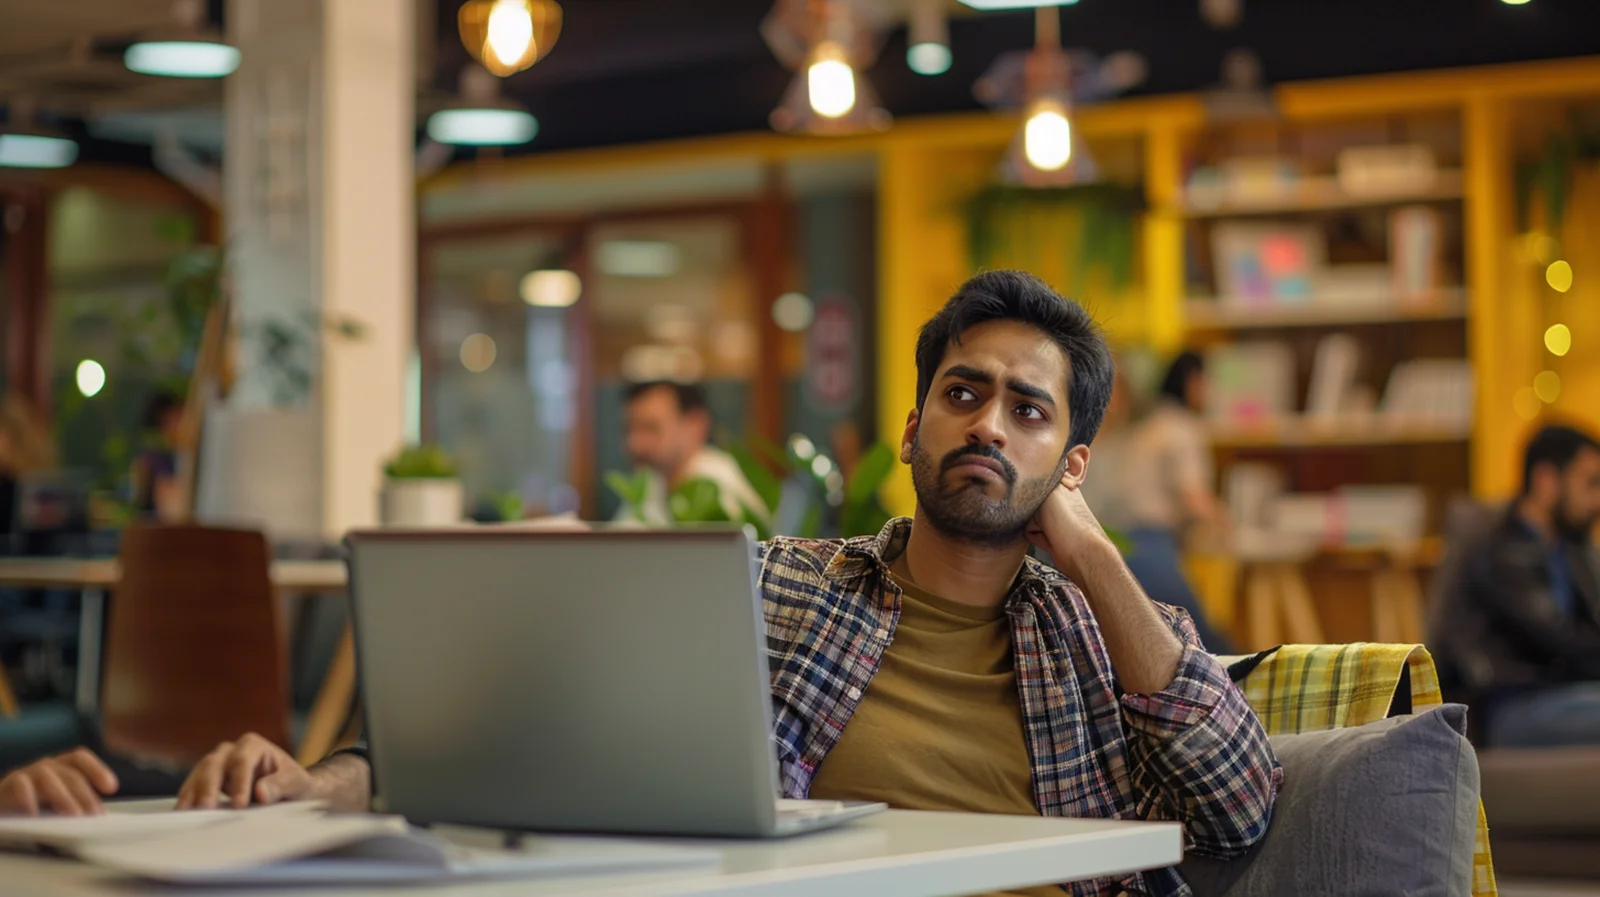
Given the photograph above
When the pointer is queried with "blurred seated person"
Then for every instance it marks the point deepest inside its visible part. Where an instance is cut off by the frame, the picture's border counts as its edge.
(24, 448)
(1161, 491)
(155, 467)
(70, 784)
(937, 665)
(1520, 637)
(667, 428)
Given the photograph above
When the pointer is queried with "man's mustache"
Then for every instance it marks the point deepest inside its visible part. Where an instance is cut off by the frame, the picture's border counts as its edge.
(960, 455)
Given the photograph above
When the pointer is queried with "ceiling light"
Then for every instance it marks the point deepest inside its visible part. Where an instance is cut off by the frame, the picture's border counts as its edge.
(182, 58)
(928, 38)
(478, 352)
(829, 44)
(507, 36)
(187, 48)
(830, 81)
(551, 288)
(1047, 136)
(481, 117)
(482, 127)
(792, 312)
(1558, 339)
(1559, 275)
(1015, 4)
(19, 150)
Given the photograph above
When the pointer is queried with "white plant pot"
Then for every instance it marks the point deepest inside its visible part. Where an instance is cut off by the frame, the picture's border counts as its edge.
(420, 502)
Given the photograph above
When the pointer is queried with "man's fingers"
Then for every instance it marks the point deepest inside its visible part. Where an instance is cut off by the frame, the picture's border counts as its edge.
(205, 781)
(80, 789)
(53, 791)
(93, 769)
(240, 775)
(25, 796)
(285, 784)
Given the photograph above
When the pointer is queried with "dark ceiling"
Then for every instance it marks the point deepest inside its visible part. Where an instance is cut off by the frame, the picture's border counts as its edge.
(626, 71)
(633, 70)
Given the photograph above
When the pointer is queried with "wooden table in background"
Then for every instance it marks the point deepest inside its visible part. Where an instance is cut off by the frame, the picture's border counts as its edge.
(94, 578)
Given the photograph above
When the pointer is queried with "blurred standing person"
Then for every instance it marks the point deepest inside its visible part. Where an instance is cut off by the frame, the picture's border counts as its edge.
(155, 467)
(1164, 487)
(667, 429)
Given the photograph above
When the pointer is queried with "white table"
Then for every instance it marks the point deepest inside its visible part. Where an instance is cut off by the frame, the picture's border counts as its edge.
(95, 577)
(893, 854)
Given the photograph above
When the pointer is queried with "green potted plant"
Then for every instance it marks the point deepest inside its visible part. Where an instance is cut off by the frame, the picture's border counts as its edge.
(420, 488)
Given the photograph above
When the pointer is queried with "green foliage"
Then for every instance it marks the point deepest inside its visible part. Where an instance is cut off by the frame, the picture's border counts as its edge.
(1004, 223)
(508, 505)
(1549, 175)
(853, 510)
(420, 462)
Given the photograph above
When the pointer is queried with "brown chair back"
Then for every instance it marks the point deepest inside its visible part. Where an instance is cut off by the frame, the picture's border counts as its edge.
(195, 653)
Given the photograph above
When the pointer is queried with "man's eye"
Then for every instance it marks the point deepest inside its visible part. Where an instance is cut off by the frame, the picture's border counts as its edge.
(961, 394)
(1032, 412)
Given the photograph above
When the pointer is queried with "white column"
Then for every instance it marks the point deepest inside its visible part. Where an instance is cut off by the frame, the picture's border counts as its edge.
(320, 201)
(368, 245)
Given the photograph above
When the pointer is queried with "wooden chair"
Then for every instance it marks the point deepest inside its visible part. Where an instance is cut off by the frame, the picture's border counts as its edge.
(195, 653)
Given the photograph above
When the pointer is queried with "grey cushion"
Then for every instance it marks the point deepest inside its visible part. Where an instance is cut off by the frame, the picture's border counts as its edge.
(1386, 808)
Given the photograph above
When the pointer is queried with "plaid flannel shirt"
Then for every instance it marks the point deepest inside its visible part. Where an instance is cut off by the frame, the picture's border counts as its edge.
(1193, 753)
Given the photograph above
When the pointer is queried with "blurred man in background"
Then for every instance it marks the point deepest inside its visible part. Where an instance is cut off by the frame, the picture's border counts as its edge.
(1519, 637)
(667, 429)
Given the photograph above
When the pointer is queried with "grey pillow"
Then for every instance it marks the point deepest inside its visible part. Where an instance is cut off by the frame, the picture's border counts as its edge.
(1386, 808)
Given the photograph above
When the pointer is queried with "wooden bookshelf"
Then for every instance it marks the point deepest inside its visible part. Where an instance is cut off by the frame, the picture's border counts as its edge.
(1301, 432)
(1210, 313)
(1319, 193)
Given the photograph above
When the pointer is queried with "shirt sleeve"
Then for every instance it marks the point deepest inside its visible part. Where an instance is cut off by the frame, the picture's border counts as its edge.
(1199, 754)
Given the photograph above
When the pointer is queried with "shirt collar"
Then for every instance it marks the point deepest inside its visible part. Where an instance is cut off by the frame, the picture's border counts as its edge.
(866, 555)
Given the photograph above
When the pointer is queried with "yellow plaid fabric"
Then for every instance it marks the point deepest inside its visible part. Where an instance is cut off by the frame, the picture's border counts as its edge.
(1307, 688)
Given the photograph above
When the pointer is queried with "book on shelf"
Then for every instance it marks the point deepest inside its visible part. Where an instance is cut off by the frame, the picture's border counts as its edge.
(1435, 392)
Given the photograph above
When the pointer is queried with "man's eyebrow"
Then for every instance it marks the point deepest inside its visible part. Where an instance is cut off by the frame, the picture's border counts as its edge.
(1020, 387)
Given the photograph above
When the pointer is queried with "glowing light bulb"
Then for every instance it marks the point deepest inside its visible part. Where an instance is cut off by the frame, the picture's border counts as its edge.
(831, 82)
(91, 377)
(1558, 339)
(510, 32)
(1559, 276)
(1047, 137)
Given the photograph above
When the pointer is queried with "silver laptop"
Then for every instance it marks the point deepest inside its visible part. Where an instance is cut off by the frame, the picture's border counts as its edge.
(608, 681)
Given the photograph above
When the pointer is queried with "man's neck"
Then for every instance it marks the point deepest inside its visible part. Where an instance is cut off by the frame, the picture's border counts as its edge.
(1540, 518)
(959, 571)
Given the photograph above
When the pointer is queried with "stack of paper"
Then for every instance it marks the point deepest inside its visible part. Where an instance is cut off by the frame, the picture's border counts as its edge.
(297, 844)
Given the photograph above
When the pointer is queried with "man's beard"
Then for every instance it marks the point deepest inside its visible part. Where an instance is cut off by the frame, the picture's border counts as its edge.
(1568, 526)
(964, 510)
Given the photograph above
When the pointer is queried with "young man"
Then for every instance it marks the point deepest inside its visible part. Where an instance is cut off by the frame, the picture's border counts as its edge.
(667, 431)
(937, 666)
(1520, 637)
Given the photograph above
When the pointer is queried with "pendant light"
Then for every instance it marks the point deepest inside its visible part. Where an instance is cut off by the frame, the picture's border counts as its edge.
(26, 144)
(507, 36)
(188, 48)
(482, 117)
(828, 45)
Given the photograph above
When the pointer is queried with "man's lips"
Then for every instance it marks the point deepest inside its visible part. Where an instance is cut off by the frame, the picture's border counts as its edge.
(974, 464)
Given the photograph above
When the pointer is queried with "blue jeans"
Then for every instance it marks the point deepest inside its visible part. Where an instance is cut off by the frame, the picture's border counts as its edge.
(1546, 716)
(1157, 563)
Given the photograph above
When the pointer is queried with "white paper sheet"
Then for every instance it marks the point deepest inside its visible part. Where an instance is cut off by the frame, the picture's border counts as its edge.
(71, 833)
(306, 849)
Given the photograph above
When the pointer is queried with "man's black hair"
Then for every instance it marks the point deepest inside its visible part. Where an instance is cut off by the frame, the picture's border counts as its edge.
(1555, 445)
(690, 396)
(1019, 296)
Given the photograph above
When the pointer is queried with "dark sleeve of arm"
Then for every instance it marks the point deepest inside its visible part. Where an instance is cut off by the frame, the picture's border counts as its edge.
(1515, 591)
(1200, 756)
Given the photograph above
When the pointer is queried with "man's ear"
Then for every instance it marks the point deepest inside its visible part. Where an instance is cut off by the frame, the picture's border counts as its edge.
(907, 437)
(1077, 466)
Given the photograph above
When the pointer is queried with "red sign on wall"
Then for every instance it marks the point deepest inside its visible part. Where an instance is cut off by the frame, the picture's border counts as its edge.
(831, 354)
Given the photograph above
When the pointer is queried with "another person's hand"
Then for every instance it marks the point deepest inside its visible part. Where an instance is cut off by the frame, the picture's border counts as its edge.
(250, 770)
(69, 785)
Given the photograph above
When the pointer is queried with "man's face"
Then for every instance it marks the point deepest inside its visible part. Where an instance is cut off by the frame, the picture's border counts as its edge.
(658, 435)
(1578, 508)
(990, 443)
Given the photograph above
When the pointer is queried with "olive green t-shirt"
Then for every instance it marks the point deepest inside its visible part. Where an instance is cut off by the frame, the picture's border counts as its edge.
(940, 727)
